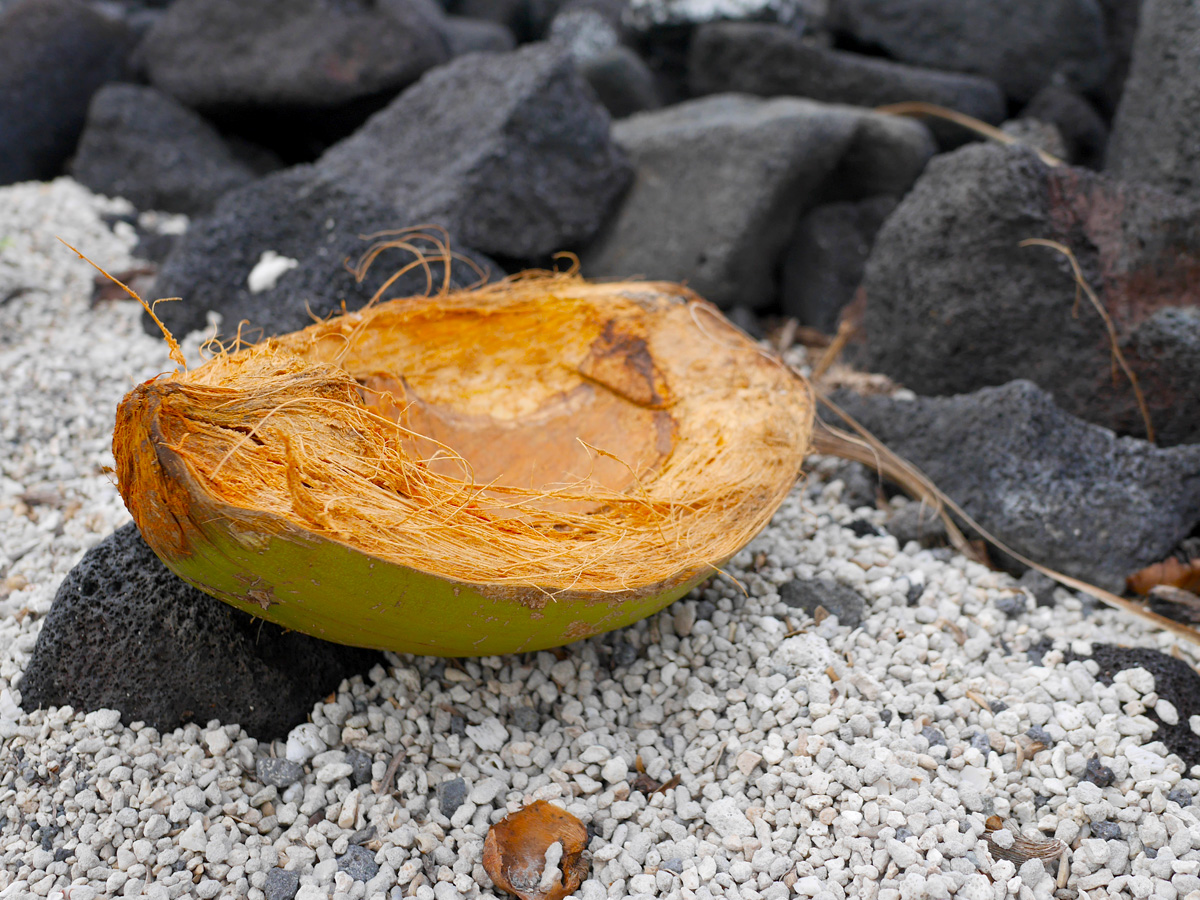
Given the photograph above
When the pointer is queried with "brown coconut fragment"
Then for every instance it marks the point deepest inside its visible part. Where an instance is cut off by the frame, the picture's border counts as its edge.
(537, 852)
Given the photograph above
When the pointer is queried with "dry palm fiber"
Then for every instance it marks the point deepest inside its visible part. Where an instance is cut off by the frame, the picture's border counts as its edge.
(541, 439)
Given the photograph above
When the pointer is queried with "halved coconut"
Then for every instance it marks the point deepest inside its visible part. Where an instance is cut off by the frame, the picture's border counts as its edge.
(488, 471)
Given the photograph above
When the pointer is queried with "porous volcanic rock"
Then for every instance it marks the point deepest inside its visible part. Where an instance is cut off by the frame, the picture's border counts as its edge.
(217, 55)
(144, 146)
(512, 153)
(124, 633)
(1022, 45)
(1065, 493)
(824, 262)
(297, 215)
(54, 54)
(953, 302)
(773, 60)
(721, 181)
(1156, 132)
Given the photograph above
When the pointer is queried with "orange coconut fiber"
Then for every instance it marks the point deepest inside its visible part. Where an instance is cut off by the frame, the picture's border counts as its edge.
(540, 437)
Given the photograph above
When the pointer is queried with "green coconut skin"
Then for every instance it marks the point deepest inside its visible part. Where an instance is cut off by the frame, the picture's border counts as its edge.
(332, 591)
(276, 570)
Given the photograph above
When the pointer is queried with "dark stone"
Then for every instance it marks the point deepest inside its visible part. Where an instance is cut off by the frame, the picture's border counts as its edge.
(1012, 605)
(298, 215)
(933, 736)
(513, 153)
(1121, 28)
(281, 884)
(458, 725)
(477, 36)
(364, 835)
(918, 522)
(862, 528)
(674, 864)
(451, 795)
(1107, 831)
(1098, 773)
(772, 60)
(998, 706)
(54, 54)
(915, 591)
(953, 302)
(1156, 133)
(282, 773)
(903, 833)
(1040, 735)
(144, 146)
(622, 81)
(720, 183)
(125, 633)
(839, 600)
(1022, 45)
(1065, 493)
(624, 654)
(886, 716)
(229, 56)
(358, 862)
(525, 718)
(1082, 129)
(981, 742)
(824, 263)
(1041, 586)
(360, 764)
(1180, 796)
(1174, 681)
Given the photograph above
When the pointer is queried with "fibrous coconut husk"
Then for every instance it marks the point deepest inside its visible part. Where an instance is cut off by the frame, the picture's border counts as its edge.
(506, 468)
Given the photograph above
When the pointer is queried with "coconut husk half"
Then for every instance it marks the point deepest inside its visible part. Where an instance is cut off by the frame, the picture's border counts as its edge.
(496, 470)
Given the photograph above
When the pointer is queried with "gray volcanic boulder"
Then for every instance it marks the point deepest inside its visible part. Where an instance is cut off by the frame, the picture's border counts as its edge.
(721, 181)
(509, 151)
(1065, 493)
(144, 146)
(824, 262)
(1156, 133)
(217, 55)
(953, 302)
(297, 215)
(771, 60)
(124, 633)
(1082, 129)
(54, 54)
(1022, 45)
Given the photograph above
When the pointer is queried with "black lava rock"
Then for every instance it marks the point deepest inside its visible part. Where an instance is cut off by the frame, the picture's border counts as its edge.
(839, 600)
(954, 302)
(721, 181)
(1081, 127)
(933, 736)
(125, 633)
(1069, 494)
(278, 771)
(1041, 586)
(360, 764)
(451, 795)
(54, 54)
(144, 146)
(773, 60)
(281, 884)
(981, 742)
(1156, 133)
(1022, 44)
(1107, 831)
(622, 81)
(1012, 605)
(477, 36)
(917, 522)
(824, 262)
(1098, 773)
(1174, 681)
(300, 216)
(1180, 796)
(513, 153)
(1040, 735)
(358, 862)
(225, 55)
(525, 718)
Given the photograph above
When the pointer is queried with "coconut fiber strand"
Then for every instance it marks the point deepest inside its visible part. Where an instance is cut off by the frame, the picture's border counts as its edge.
(506, 468)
